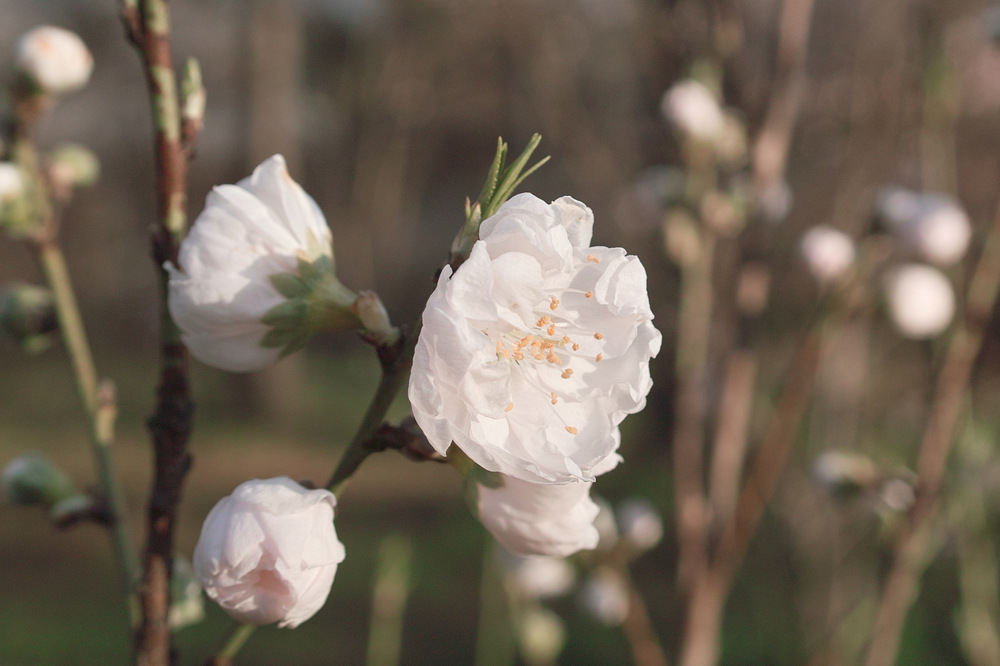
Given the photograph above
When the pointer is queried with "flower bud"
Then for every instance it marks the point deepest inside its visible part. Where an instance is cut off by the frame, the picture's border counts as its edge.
(827, 252)
(541, 635)
(920, 299)
(27, 315)
(187, 605)
(537, 576)
(374, 317)
(269, 552)
(533, 518)
(693, 110)
(15, 211)
(640, 523)
(11, 182)
(605, 597)
(843, 473)
(55, 60)
(72, 165)
(31, 478)
(256, 277)
(933, 225)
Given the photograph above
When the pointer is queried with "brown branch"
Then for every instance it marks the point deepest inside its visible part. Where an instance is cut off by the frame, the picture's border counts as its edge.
(148, 26)
(910, 560)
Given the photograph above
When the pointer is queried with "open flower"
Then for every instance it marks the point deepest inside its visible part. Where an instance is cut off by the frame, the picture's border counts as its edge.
(249, 234)
(536, 348)
(54, 59)
(538, 518)
(269, 552)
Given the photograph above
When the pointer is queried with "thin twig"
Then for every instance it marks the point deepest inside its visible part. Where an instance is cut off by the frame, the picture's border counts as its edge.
(147, 23)
(946, 407)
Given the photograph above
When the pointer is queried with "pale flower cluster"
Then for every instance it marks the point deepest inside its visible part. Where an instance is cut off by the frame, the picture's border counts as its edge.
(54, 59)
(827, 252)
(934, 226)
(693, 110)
(920, 299)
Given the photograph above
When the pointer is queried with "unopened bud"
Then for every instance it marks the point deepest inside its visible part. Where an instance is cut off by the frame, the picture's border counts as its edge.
(541, 635)
(72, 165)
(31, 479)
(605, 597)
(920, 299)
(192, 96)
(54, 60)
(27, 315)
(641, 524)
(827, 252)
(374, 317)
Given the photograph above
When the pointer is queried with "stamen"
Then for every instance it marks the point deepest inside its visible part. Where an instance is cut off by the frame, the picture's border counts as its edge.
(509, 407)
(567, 373)
(599, 358)
(554, 304)
(506, 354)
(571, 430)
(588, 294)
(545, 320)
(598, 336)
(552, 358)
(551, 330)
(554, 398)
(594, 259)
(576, 347)
(518, 356)
(566, 339)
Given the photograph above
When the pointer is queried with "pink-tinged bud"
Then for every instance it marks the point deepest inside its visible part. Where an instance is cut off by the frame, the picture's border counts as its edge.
(54, 59)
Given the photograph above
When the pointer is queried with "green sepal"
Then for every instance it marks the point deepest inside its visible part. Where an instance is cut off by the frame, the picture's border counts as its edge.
(281, 315)
(289, 285)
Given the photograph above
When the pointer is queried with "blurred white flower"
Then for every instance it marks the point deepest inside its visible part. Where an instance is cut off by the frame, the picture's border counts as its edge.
(537, 576)
(933, 225)
(920, 299)
(537, 518)
(604, 596)
(56, 60)
(641, 524)
(269, 552)
(11, 182)
(828, 253)
(261, 227)
(541, 634)
(842, 471)
(536, 348)
(692, 109)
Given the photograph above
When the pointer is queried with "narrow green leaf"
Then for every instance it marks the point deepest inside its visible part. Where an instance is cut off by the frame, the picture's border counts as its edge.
(495, 168)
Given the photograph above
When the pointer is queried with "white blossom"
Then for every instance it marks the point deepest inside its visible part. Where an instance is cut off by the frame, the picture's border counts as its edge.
(693, 110)
(11, 182)
(935, 226)
(640, 523)
(537, 576)
(56, 60)
(538, 518)
(269, 552)
(536, 348)
(921, 301)
(259, 227)
(604, 595)
(828, 253)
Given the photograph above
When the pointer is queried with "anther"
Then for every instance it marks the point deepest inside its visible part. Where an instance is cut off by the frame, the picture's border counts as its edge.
(594, 259)
(551, 330)
(571, 430)
(554, 398)
(545, 320)
(567, 373)
(599, 358)
(576, 347)
(598, 336)
(509, 407)
(554, 304)
(588, 294)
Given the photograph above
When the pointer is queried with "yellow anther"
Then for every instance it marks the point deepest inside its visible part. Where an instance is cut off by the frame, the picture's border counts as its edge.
(552, 358)
(566, 339)
(506, 354)
(576, 347)
(554, 398)
(598, 336)
(499, 347)
(567, 373)
(599, 358)
(518, 356)
(544, 320)
(554, 304)
(571, 430)
(594, 259)
(525, 340)
(509, 407)
(551, 330)
(588, 294)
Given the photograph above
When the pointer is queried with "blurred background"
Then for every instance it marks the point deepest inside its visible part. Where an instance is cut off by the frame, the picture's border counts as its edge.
(388, 113)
